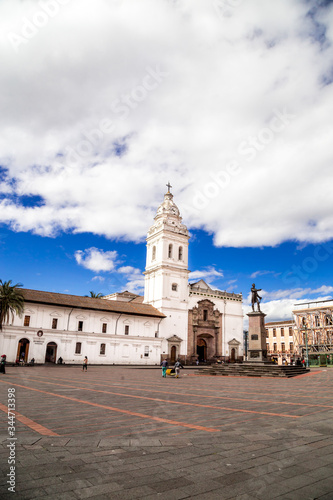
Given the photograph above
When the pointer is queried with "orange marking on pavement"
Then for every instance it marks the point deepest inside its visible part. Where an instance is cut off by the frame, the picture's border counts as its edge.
(308, 374)
(156, 399)
(29, 423)
(197, 395)
(230, 379)
(136, 414)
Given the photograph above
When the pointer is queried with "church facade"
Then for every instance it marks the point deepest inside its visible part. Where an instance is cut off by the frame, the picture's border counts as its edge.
(174, 319)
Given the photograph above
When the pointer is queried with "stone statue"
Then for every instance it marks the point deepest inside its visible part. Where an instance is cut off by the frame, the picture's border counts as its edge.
(255, 297)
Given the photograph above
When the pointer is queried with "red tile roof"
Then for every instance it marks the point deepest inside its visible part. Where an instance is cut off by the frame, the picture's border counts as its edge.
(117, 306)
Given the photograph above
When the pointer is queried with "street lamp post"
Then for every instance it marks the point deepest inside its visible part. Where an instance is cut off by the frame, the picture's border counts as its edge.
(306, 345)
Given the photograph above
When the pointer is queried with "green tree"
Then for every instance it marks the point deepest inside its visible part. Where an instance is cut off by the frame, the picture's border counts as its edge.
(11, 301)
(94, 295)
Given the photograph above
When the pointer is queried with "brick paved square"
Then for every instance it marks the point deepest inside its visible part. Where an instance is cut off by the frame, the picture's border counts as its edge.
(123, 432)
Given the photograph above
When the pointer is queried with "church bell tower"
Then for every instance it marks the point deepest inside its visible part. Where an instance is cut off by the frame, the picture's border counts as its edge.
(166, 275)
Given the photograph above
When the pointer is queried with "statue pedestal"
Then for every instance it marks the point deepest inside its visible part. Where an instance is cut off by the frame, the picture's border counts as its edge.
(257, 350)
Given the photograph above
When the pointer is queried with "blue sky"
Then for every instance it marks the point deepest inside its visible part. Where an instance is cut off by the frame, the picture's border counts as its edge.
(101, 107)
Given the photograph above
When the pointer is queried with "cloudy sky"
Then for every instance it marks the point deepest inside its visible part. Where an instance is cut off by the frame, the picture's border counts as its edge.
(104, 102)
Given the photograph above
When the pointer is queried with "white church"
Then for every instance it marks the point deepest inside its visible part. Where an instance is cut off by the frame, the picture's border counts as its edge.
(174, 319)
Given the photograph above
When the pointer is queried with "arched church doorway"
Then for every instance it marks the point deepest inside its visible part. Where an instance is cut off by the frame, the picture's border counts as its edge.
(233, 355)
(51, 352)
(202, 350)
(23, 350)
(173, 354)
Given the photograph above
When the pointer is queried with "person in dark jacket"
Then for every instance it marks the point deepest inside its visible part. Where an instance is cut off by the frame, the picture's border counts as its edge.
(3, 364)
(164, 365)
(178, 365)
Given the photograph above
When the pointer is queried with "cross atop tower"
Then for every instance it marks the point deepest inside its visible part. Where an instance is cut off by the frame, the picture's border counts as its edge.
(168, 186)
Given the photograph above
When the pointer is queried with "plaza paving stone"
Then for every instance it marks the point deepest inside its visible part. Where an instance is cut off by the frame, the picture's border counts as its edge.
(126, 433)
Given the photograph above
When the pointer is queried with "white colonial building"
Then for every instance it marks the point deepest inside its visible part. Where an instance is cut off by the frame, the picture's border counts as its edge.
(173, 320)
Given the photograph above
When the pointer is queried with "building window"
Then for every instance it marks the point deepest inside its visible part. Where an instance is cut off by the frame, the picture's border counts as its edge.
(291, 347)
(274, 347)
(170, 251)
(303, 321)
(102, 349)
(180, 253)
(54, 323)
(329, 320)
(267, 334)
(174, 287)
(317, 320)
(153, 257)
(274, 332)
(205, 315)
(146, 351)
(282, 332)
(104, 327)
(290, 331)
(283, 347)
(26, 320)
(126, 329)
(80, 326)
(78, 348)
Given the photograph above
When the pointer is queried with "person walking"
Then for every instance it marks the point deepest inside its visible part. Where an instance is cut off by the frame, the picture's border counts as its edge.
(85, 364)
(177, 367)
(164, 365)
(3, 364)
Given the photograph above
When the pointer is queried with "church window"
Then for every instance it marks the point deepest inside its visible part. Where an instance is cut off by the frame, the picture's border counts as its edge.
(174, 287)
(26, 320)
(54, 323)
(126, 329)
(146, 351)
(180, 253)
(154, 253)
(80, 326)
(205, 315)
(78, 348)
(104, 327)
(102, 349)
(170, 251)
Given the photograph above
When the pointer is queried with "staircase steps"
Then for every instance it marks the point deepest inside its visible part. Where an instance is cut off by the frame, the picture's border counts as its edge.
(246, 370)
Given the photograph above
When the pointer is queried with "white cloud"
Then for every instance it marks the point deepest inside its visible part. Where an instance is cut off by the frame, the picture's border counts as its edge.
(208, 274)
(95, 259)
(262, 273)
(96, 121)
(98, 278)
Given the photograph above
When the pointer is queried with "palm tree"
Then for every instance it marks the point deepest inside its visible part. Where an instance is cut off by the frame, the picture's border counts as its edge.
(11, 301)
(94, 295)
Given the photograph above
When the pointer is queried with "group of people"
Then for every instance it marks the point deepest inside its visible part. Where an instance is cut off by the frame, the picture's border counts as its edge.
(176, 368)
